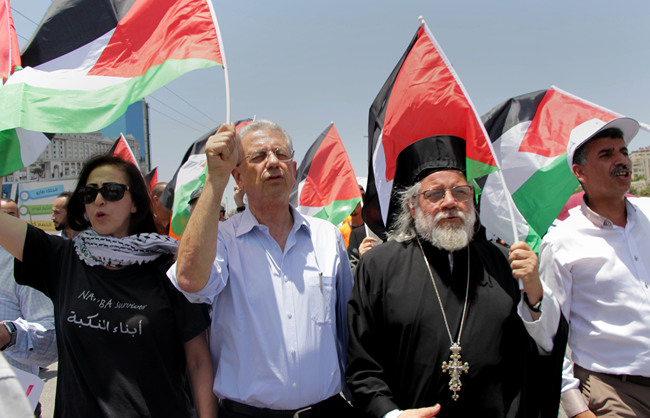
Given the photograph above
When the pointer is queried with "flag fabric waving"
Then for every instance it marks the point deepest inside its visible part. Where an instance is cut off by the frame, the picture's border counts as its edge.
(422, 97)
(9, 51)
(122, 149)
(326, 186)
(189, 177)
(151, 178)
(89, 60)
(11, 152)
(530, 134)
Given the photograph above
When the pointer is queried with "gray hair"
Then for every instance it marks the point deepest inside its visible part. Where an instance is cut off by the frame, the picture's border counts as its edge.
(264, 125)
(403, 228)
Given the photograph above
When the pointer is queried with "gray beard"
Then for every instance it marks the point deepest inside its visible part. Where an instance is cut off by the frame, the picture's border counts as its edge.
(445, 236)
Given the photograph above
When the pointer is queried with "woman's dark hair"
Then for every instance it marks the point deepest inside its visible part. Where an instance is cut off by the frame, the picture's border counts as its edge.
(141, 220)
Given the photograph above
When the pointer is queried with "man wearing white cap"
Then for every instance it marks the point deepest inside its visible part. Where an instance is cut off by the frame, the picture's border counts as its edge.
(596, 263)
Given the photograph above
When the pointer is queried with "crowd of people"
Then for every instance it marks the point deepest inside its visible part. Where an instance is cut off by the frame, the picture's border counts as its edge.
(271, 313)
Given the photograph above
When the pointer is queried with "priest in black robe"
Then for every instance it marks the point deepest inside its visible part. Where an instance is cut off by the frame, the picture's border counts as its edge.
(436, 284)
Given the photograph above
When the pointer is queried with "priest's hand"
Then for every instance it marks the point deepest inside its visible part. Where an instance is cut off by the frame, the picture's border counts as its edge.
(366, 244)
(524, 265)
(431, 411)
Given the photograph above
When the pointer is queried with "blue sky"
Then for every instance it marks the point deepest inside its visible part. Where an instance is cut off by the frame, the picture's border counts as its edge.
(306, 63)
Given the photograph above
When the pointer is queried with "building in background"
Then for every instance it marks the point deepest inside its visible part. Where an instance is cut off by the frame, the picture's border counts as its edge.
(64, 156)
(135, 122)
(641, 163)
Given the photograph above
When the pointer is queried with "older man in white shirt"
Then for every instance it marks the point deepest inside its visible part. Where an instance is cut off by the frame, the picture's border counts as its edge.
(278, 283)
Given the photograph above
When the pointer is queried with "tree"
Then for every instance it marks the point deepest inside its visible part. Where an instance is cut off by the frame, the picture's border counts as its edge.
(38, 171)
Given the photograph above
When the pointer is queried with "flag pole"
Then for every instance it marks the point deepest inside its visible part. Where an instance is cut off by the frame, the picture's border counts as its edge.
(223, 60)
(227, 81)
(509, 201)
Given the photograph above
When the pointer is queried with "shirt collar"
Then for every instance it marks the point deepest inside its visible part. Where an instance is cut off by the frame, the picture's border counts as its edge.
(248, 222)
(601, 221)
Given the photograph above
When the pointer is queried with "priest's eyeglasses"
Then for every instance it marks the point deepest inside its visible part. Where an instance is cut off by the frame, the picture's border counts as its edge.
(459, 193)
(259, 156)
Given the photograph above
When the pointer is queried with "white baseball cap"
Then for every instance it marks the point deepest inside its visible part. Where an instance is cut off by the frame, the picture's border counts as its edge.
(587, 130)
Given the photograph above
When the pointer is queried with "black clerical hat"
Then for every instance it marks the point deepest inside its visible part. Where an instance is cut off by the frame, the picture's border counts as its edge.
(421, 158)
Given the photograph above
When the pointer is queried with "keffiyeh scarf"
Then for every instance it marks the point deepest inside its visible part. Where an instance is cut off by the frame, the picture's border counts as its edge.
(103, 250)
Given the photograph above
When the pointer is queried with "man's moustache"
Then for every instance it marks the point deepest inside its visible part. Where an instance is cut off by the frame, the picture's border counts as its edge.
(447, 213)
(620, 169)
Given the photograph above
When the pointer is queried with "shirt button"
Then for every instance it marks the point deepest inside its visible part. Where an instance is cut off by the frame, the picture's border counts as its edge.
(293, 352)
(289, 315)
(294, 385)
(636, 258)
(286, 279)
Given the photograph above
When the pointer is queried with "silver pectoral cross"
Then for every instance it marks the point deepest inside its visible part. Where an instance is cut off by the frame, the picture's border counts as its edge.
(455, 367)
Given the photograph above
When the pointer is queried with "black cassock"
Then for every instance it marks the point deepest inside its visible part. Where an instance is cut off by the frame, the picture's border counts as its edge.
(398, 338)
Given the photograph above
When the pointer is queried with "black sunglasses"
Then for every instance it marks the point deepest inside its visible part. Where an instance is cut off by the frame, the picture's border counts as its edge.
(112, 192)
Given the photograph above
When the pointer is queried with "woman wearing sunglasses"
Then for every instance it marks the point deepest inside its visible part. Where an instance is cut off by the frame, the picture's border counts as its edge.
(125, 335)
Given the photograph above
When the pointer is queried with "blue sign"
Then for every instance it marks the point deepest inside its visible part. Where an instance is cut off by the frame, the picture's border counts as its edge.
(41, 193)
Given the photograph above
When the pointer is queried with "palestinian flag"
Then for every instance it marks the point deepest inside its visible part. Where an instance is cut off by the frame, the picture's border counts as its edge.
(122, 149)
(9, 51)
(326, 186)
(189, 177)
(422, 97)
(89, 60)
(11, 153)
(530, 134)
(151, 178)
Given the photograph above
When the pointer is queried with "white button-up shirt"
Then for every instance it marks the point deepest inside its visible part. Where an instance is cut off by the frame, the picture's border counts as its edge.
(279, 335)
(599, 274)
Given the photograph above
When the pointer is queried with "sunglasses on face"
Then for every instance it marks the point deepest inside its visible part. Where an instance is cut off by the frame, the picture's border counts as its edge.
(112, 192)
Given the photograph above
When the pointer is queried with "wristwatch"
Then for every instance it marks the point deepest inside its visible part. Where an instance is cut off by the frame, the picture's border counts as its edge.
(537, 308)
(11, 329)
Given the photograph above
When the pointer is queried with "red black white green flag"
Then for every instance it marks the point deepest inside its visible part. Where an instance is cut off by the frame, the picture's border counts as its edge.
(122, 149)
(530, 134)
(11, 152)
(422, 97)
(326, 186)
(88, 60)
(151, 178)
